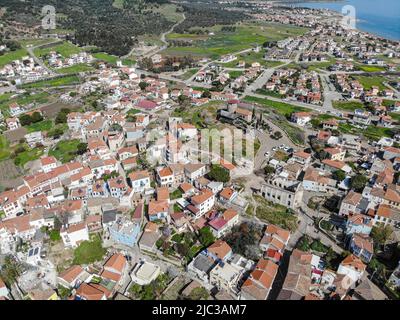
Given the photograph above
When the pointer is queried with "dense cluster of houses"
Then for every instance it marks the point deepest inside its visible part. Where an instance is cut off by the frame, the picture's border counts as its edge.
(56, 60)
(23, 70)
(353, 89)
(303, 86)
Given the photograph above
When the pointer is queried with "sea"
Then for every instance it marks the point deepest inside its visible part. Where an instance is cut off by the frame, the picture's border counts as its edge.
(380, 17)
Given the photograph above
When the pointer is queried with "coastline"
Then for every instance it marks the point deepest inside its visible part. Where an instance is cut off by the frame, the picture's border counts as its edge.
(298, 3)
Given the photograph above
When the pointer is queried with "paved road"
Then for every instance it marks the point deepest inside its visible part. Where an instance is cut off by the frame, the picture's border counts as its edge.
(39, 61)
(191, 79)
(330, 93)
(262, 79)
(267, 143)
(314, 107)
(163, 39)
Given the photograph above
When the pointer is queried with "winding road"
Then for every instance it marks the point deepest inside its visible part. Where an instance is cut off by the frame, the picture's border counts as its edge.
(163, 39)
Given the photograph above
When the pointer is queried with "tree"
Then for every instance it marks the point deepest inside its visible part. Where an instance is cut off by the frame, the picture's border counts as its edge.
(206, 94)
(381, 234)
(108, 176)
(143, 85)
(339, 175)
(63, 292)
(81, 148)
(183, 249)
(268, 170)
(55, 133)
(25, 120)
(358, 182)
(316, 144)
(277, 135)
(199, 293)
(10, 271)
(62, 116)
(36, 117)
(57, 224)
(322, 155)
(218, 173)
(243, 240)
(206, 237)
(116, 127)
(184, 101)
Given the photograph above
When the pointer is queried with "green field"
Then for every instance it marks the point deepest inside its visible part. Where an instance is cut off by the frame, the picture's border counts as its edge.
(118, 4)
(168, 11)
(249, 58)
(65, 150)
(82, 67)
(133, 111)
(347, 105)
(29, 155)
(106, 57)
(269, 93)
(275, 214)
(66, 49)
(224, 42)
(235, 74)
(388, 103)
(44, 125)
(395, 116)
(35, 42)
(189, 73)
(283, 108)
(315, 66)
(62, 81)
(4, 148)
(11, 56)
(368, 68)
(113, 59)
(368, 82)
(89, 252)
(371, 132)
(128, 62)
(38, 98)
(295, 134)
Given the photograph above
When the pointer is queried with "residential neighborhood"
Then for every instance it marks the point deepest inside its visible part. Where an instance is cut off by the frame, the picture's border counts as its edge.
(270, 172)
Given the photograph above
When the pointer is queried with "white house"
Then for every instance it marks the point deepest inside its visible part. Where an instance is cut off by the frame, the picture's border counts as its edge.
(353, 267)
(140, 180)
(34, 138)
(202, 203)
(301, 118)
(3, 289)
(48, 164)
(194, 171)
(74, 234)
(186, 131)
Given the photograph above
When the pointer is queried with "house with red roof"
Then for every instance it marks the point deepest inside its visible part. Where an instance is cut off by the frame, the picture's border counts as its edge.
(115, 268)
(275, 238)
(201, 203)
(259, 284)
(227, 195)
(72, 277)
(222, 223)
(158, 210)
(147, 104)
(362, 246)
(165, 177)
(91, 291)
